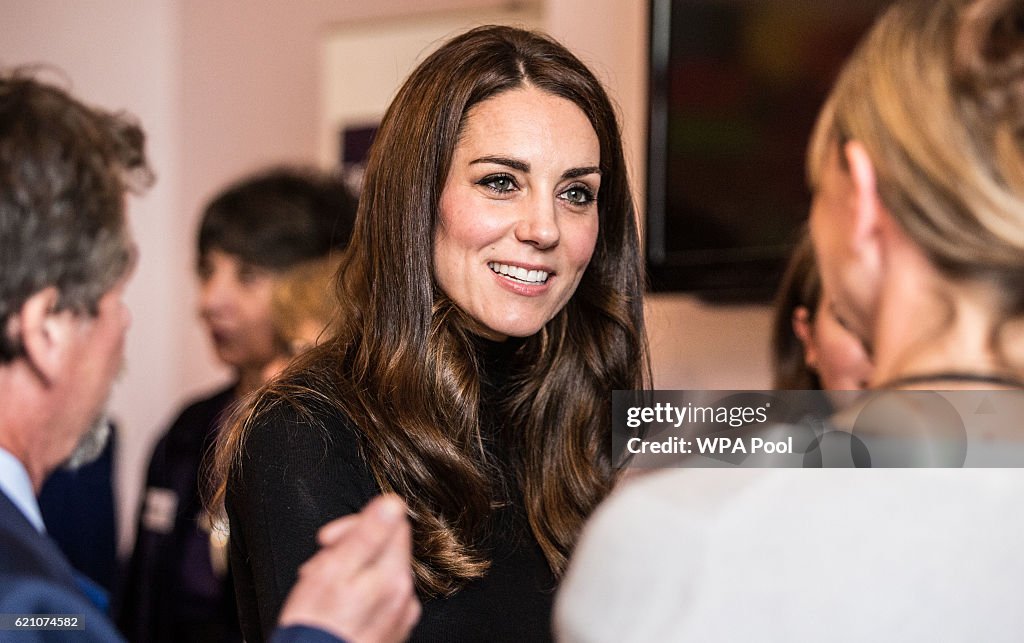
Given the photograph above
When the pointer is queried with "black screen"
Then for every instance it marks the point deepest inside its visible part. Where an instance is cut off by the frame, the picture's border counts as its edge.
(735, 89)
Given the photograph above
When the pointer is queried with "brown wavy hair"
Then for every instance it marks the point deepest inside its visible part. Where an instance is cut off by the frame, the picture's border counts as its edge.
(403, 362)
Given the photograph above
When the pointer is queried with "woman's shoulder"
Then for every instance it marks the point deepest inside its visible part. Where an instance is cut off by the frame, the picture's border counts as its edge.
(300, 411)
(300, 436)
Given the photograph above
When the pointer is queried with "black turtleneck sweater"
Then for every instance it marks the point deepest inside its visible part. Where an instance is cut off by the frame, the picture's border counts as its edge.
(295, 477)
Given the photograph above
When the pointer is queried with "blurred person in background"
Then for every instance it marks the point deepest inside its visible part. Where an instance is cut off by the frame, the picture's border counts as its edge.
(178, 586)
(812, 348)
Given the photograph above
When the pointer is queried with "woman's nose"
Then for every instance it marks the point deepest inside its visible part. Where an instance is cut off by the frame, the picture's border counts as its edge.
(538, 224)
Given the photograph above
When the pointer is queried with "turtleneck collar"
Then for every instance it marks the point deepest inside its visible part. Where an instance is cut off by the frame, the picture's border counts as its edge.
(495, 359)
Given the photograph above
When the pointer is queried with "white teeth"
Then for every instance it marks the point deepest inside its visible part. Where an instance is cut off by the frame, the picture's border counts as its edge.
(519, 273)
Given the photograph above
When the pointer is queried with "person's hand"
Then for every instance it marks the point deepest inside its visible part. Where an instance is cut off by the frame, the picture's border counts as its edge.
(359, 586)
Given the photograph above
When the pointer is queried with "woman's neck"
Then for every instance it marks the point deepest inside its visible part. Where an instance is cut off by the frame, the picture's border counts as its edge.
(932, 327)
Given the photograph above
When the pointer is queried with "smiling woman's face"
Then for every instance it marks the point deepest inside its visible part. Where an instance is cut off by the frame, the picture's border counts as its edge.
(518, 214)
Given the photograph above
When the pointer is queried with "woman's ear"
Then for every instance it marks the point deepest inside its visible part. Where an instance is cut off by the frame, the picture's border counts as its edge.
(804, 331)
(868, 209)
(43, 333)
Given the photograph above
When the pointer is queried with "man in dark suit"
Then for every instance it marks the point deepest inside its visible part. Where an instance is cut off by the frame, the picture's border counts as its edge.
(65, 255)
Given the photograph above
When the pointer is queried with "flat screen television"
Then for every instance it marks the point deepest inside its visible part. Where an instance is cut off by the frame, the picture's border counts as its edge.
(735, 86)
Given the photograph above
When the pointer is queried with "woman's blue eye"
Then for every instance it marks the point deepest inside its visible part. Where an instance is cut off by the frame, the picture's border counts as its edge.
(500, 183)
(578, 195)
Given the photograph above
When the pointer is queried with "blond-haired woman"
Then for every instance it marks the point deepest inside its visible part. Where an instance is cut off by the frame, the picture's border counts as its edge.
(917, 167)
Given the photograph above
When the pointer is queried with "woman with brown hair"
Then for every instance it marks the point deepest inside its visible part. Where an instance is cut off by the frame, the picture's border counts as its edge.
(490, 301)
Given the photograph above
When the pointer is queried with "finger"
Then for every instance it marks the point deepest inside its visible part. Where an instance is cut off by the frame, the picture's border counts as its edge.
(374, 601)
(386, 508)
(335, 530)
(367, 536)
(398, 552)
(413, 610)
(399, 624)
(398, 608)
(387, 600)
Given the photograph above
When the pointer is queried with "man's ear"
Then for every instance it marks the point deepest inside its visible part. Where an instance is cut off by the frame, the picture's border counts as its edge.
(43, 333)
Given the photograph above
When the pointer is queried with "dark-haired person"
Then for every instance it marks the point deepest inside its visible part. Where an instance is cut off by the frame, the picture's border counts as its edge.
(812, 349)
(254, 231)
(917, 169)
(65, 255)
(490, 303)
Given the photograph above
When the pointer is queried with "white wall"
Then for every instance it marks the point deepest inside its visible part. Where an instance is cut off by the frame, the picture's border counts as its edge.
(224, 88)
(124, 55)
(355, 88)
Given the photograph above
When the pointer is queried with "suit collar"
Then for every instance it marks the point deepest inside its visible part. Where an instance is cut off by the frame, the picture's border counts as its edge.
(17, 486)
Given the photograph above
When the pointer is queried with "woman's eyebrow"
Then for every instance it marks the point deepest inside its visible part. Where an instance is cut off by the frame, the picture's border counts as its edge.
(515, 164)
(577, 172)
(523, 166)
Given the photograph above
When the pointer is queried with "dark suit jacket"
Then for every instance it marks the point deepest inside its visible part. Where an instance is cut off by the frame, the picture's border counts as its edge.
(36, 580)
